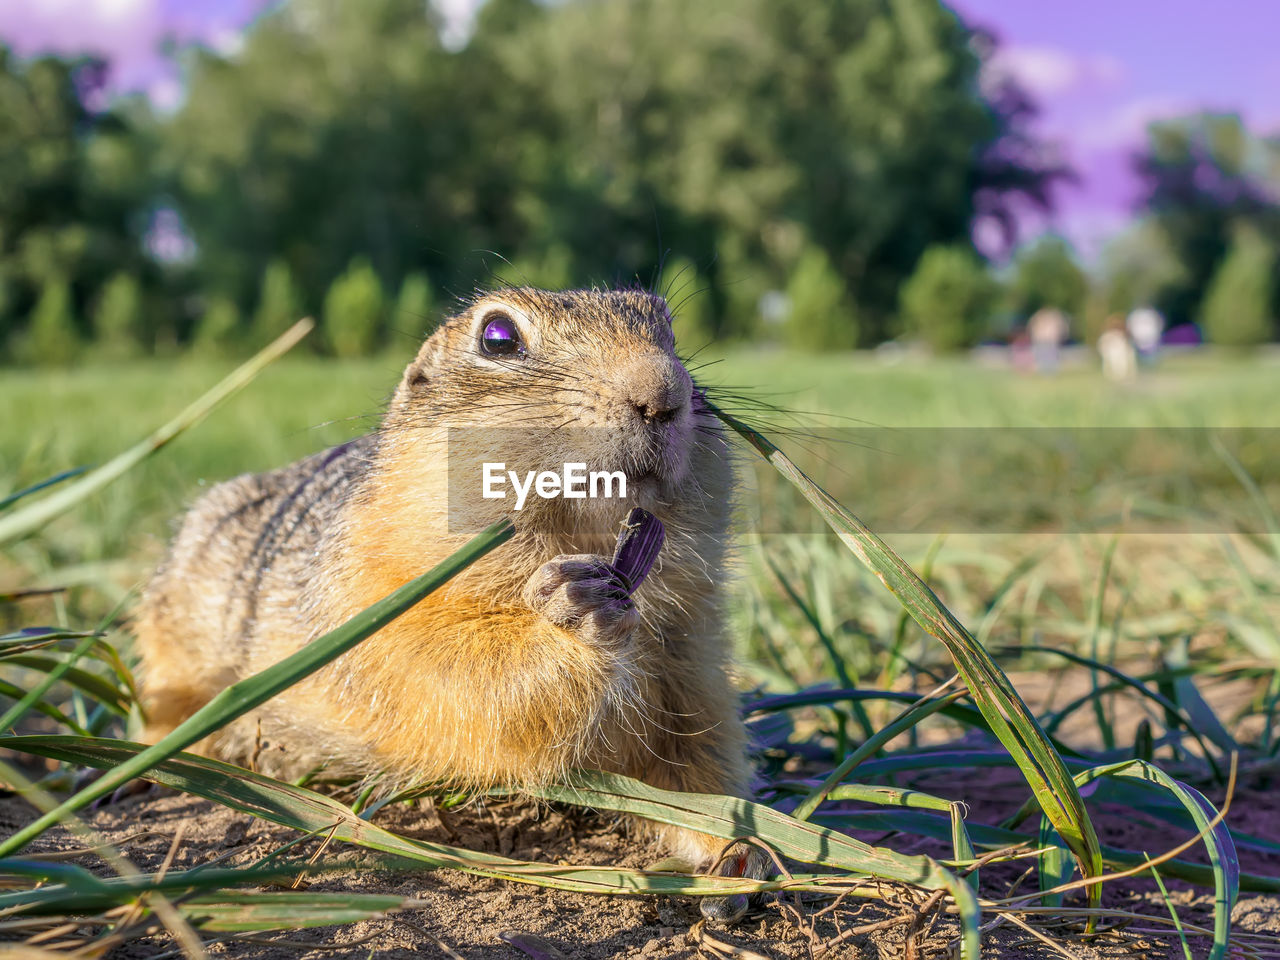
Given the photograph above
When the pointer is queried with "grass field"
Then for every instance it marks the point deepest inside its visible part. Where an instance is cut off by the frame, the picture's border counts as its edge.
(1142, 627)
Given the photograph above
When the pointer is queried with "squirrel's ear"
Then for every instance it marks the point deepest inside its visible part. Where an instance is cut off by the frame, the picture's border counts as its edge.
(416, 375)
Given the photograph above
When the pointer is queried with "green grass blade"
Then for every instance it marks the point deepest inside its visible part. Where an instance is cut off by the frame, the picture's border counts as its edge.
(961, 845)
(55, 673)
(1096, 608)
(1053, 866)
(35, 638)
(31, 518)
(903, 722)
(99, 689)
(1173, 913)
(33, 700)
(239, 698)
(838, 665)
(1223, 859)
(14, 497)
(1187, 695)
(247, 911)
(1010, 720)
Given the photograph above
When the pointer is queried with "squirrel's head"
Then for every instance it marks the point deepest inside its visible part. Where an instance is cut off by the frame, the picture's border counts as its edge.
(537, 379)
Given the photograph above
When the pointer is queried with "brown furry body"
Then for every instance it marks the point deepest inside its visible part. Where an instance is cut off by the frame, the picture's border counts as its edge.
(514, 671)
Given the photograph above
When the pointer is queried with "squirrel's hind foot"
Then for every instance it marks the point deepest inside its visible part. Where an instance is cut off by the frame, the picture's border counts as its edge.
(743, 860)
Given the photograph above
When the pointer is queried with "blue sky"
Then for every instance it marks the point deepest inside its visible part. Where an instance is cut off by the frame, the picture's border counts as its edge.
(1100, 69)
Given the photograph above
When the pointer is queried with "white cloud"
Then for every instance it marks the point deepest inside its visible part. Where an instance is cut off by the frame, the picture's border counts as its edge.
(1048, 71)
(1127, 124)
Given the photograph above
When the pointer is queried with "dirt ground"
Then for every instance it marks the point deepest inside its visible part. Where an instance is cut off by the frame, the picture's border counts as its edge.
(460, 915)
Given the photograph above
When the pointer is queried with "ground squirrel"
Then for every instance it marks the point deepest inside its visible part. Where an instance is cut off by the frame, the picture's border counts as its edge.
(523, 666)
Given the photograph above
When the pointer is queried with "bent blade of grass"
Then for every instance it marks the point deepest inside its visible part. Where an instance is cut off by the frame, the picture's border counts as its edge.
(1224, 863)
(314, 813)
(101, 691)
(1154, 801)
(1010, 720)
(1223, 859)
(243, 696)
(30, 518)
(733, 818)
(926, 823)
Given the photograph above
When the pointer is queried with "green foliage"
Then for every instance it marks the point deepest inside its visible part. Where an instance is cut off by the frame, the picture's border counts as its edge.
(1139, 266)
(218, 333)
(947, 301)
(687, 292)
(117, 320)
(858, 124)
(67, 211)
(1205, 176)
(1237, 307)
(1047, 275)
(414, 306)
(52, 339)
(353, 311)
(549, 269)
(820, 316)
(279, 303)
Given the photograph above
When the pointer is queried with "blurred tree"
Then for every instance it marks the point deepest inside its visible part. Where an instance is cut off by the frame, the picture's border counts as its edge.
(414, 305)
(51, 338)
(1237, 309)
(279, 304)
(1138, 266)
(741, 131)
(820, 316)
(1203, 175)
(219, 334)
(353, 311)
(1046, 275)
(550, 268)
(948, 300)
(117, 319)
(855, 125)
(337, 131)
(72, 184)
(687, 292)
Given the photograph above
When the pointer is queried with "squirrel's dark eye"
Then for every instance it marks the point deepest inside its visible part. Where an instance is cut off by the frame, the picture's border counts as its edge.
(500, 337)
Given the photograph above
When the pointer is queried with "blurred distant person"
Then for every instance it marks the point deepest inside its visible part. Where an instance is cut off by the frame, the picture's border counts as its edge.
(1020, 351)
(1145, 324)
(1048, 330)
(1116, 349)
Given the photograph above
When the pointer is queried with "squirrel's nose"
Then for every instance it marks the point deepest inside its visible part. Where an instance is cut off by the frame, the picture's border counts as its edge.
(658, 389)
(657, 409)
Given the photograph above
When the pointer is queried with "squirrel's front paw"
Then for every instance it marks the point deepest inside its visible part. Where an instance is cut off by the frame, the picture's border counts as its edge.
(585, 594)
